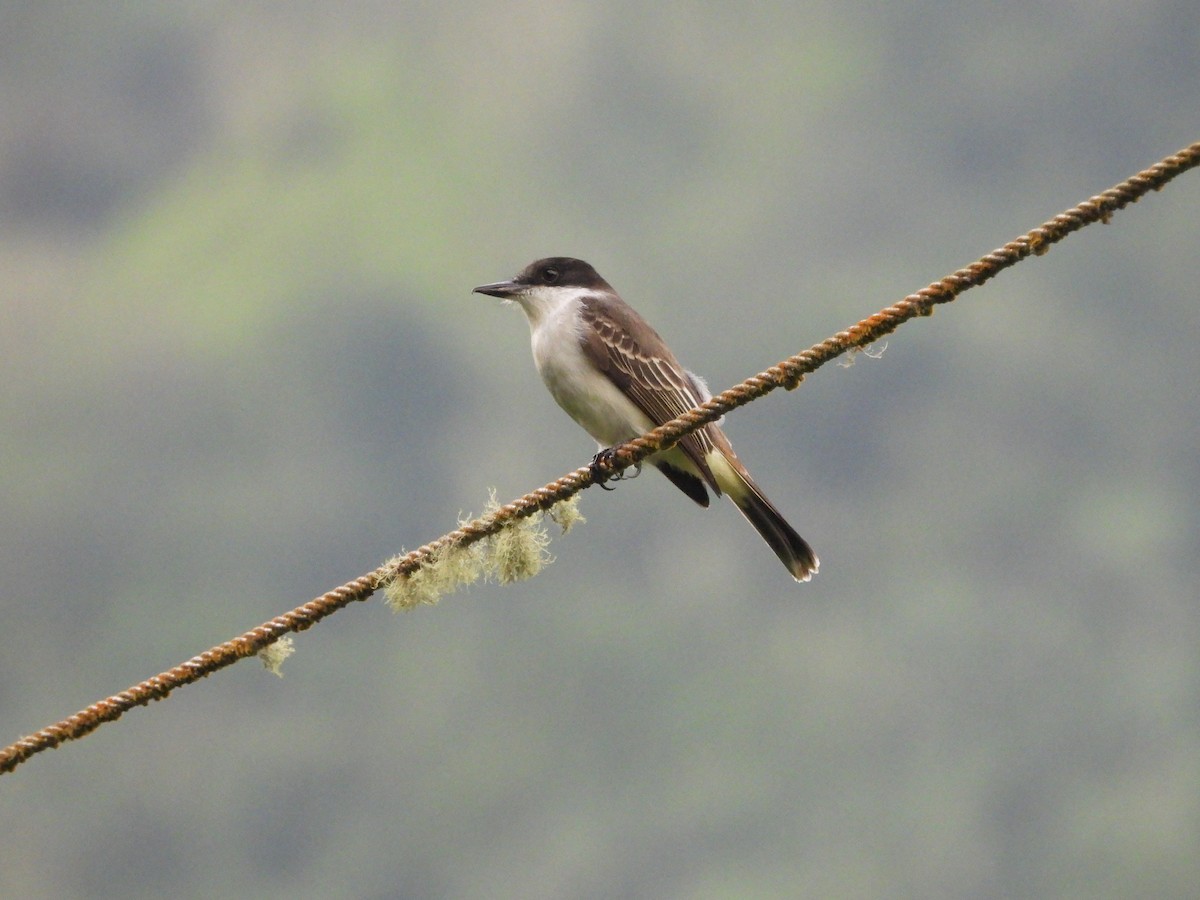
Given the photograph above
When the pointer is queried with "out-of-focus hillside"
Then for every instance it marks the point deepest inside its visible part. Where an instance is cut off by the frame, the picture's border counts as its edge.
(242, 364)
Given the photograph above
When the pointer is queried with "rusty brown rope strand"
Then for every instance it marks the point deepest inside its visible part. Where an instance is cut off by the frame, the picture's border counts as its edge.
(791, 371)
(788, 374)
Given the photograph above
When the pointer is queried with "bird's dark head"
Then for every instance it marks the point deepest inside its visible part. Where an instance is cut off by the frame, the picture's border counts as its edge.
(552, 272)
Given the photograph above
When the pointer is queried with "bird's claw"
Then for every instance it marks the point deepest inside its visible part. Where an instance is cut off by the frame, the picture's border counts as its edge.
(602, 469)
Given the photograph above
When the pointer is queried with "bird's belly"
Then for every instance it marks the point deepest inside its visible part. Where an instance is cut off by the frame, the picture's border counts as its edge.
(590, 398)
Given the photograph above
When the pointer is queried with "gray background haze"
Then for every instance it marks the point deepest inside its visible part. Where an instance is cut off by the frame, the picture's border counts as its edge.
(242, 365)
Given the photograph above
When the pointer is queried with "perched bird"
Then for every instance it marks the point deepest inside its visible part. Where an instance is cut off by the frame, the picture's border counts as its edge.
(617, 378)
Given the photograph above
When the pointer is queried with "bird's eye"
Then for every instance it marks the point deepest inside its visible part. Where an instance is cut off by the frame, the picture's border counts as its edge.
(550, 274)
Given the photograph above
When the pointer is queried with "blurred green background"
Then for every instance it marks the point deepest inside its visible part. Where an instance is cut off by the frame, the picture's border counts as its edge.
(242, 364)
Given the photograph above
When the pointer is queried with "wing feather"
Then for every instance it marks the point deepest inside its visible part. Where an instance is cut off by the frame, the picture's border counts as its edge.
(649, 375)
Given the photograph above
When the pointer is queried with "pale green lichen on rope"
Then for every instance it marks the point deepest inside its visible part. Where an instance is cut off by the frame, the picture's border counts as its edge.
(516, 552)
(273, 655)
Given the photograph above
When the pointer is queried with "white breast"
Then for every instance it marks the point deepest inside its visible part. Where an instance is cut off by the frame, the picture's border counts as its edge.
(586, 394)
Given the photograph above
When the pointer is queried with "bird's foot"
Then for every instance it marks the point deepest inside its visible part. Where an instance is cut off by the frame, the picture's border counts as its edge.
(603, 469)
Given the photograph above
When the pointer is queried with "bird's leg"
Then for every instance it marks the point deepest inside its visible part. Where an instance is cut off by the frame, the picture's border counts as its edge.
(602, 469)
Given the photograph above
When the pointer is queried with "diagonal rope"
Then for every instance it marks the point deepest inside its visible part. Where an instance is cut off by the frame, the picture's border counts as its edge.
(787, 374)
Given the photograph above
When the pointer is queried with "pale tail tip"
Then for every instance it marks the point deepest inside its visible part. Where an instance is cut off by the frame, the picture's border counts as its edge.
(807, 571)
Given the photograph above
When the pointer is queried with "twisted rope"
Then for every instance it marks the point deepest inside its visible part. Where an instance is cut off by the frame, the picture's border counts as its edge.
(787, 374)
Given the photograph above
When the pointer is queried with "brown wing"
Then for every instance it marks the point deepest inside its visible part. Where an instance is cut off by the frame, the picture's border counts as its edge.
(626, 349)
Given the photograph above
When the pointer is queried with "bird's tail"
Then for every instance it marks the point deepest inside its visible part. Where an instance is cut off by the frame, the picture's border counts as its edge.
(793, 551)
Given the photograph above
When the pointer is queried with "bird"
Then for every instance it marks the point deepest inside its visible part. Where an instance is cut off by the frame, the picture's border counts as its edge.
(617, 378)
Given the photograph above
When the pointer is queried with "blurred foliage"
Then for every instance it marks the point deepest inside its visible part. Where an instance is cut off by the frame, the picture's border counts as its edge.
(243, 365)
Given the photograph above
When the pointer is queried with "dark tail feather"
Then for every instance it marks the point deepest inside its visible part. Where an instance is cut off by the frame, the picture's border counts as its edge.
(792, 550)
(724, 472)
(690, 484)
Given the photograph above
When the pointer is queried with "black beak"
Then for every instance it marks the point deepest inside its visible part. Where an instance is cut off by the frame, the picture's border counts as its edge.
(503, 289)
